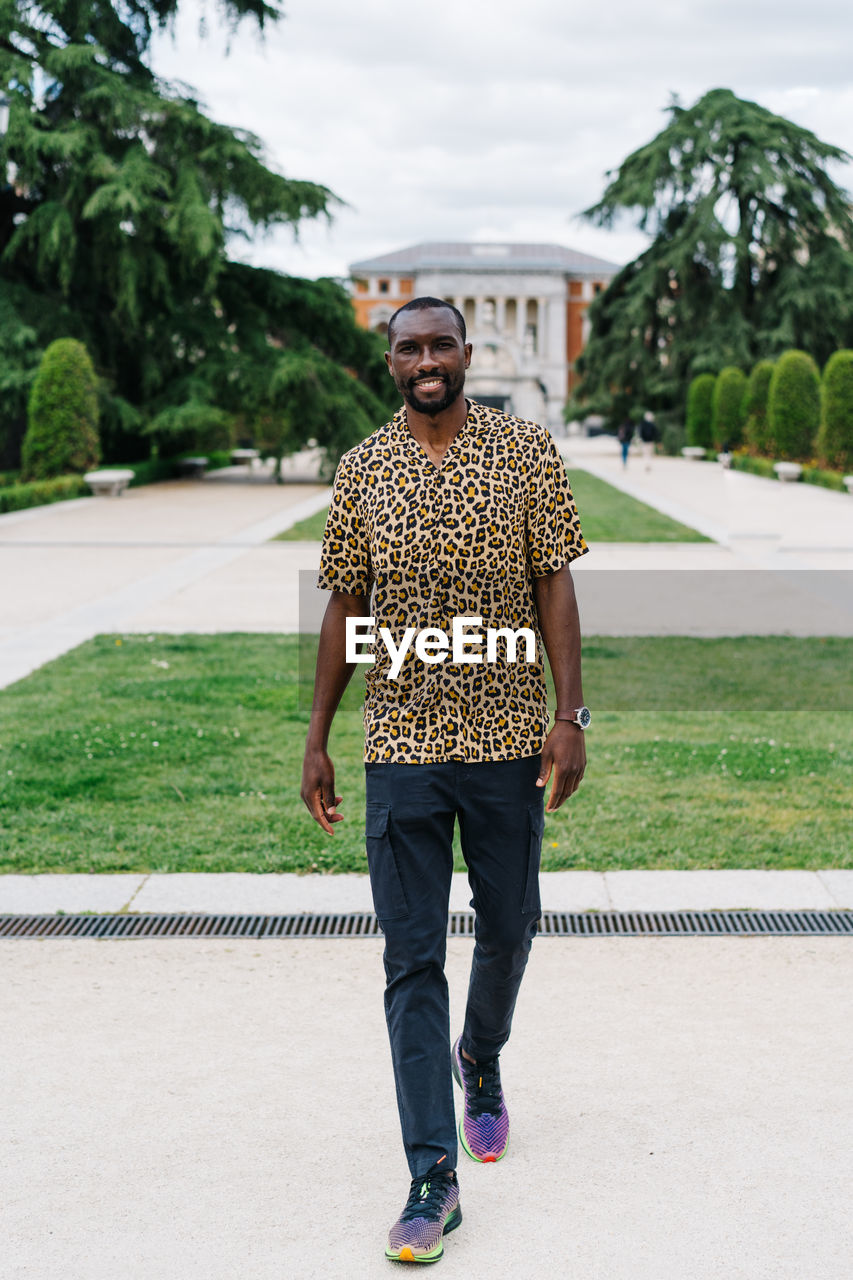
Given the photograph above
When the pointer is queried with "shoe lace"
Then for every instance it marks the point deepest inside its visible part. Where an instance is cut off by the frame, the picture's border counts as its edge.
(483, 1079)
(426, 1197)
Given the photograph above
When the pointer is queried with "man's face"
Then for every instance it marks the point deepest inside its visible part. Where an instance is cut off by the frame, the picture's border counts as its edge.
(428, 359)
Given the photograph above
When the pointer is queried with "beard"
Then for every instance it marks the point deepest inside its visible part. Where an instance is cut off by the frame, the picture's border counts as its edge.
(453, 386)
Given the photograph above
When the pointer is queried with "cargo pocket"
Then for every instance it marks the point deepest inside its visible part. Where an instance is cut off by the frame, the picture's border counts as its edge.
(536, 820)
(389, 899)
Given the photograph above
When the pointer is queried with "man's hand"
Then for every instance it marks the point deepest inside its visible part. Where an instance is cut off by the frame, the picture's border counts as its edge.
(564, 752)
(318, 789)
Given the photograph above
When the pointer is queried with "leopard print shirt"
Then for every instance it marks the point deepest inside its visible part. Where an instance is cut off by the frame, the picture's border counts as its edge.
(466, 539)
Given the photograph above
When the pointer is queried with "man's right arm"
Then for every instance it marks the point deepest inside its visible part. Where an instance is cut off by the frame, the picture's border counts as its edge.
(332, 677)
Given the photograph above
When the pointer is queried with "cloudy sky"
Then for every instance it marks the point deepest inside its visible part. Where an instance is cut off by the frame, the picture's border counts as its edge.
(485, 119)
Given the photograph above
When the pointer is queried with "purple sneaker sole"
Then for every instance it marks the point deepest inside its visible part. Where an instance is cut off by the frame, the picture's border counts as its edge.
(484, 1126)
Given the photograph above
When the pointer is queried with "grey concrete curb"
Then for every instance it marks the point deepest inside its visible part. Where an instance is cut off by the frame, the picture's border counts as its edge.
(287, 894)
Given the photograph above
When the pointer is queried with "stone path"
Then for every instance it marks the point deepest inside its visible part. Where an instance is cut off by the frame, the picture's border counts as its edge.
(208, 1109)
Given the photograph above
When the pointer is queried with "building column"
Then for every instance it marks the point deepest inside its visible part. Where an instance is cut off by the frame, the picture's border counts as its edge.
(520, 321)
(542, 328)
(500, 314)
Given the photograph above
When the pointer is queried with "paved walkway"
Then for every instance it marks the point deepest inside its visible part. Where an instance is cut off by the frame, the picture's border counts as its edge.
(177, 556)
(763, 522)
(212, 1109)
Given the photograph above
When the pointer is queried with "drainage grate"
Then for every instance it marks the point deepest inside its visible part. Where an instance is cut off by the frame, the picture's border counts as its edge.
(554, 924)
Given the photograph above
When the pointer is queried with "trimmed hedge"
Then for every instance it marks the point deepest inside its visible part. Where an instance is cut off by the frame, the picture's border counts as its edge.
(37, 493)
(62, 430)
(700, 396)
(835, 436)
(727, 408)
(810, 475)
(793, 407)
(755, 430)
(18, 497)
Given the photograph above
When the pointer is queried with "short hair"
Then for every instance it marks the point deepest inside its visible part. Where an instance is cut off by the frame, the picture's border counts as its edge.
(427, 304)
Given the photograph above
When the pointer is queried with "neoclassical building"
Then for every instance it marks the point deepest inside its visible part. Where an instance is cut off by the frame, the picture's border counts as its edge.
(524, 307)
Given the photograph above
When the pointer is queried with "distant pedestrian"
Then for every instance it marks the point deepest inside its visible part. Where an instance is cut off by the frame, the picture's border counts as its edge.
(648, 438)
(625, 435)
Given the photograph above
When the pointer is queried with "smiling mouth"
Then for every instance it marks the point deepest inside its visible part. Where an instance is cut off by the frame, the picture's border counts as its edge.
(429, 384)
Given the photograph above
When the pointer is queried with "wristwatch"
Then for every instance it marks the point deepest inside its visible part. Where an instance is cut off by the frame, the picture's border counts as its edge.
(581, 717)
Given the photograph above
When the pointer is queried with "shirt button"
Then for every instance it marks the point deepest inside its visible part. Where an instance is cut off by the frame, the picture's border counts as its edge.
(439, 479)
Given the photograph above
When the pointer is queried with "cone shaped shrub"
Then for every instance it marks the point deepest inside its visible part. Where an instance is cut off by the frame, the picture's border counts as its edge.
(62, 430)
(793, 407)
(699, 399)
(835, 437)
(727, 408)
(755, 431)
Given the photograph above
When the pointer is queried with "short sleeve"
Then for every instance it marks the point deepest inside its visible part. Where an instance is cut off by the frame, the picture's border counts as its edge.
(345, 557)
(554, 535)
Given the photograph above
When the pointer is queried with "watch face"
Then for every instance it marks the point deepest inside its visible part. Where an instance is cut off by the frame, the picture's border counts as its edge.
(584, 717)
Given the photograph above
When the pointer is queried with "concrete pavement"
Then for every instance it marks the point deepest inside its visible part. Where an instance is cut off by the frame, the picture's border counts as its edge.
(211, 1109)
(763, 522)
(286, 894)
(183, 555)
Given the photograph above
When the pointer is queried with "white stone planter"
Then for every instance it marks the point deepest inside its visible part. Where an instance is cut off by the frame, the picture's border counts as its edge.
(725, 460)
(848, 482)
(244, 457)
(108, 483)
(694, 451)
(788, 470)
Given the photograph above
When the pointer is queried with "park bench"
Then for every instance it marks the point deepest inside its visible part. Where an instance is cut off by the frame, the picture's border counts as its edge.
(108, 482)
(693, 451)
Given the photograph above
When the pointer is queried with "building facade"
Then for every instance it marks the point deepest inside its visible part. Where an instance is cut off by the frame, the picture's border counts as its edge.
(524, 307)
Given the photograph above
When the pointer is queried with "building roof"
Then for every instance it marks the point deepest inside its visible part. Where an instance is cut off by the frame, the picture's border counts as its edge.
(450, 255)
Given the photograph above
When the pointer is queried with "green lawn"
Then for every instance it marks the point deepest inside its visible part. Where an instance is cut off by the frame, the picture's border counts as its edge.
(308, 530)
(607, 515)
(183, 753)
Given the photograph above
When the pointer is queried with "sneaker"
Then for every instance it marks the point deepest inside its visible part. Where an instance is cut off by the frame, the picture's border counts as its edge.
(484, 1127)
(431, 1211)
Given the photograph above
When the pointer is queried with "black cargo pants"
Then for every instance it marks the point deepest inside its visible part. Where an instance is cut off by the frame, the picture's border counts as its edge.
(411, 809)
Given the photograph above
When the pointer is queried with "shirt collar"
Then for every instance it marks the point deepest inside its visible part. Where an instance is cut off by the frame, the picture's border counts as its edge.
(400, 426)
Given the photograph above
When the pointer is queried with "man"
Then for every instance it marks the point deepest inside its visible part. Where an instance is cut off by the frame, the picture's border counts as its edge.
(452, 511)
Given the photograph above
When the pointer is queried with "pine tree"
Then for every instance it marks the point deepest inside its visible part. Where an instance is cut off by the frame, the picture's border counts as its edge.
(751, 252)
(116, 225)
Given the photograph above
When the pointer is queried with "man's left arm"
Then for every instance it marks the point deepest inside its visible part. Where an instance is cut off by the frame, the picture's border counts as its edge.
(564, 750)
